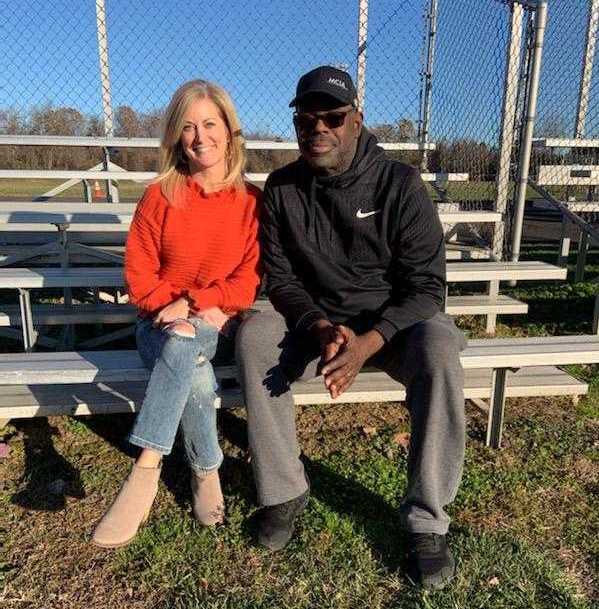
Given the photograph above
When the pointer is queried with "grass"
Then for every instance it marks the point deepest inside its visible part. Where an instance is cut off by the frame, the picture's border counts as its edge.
(521, 531)
(524, 522)
(30, 189)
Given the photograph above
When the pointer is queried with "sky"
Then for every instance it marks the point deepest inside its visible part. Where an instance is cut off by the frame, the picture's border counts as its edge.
(258, 49)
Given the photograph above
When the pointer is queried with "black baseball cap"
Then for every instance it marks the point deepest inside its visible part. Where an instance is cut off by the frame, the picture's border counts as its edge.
(328, 80)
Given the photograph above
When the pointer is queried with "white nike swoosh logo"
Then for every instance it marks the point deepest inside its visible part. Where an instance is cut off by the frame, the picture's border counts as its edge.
(365, 214)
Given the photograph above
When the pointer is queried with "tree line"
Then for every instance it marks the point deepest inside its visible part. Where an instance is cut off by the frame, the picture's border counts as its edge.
(477, 158)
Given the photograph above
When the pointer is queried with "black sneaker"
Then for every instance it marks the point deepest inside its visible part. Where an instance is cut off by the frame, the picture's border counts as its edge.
(431, 563)
(276, 522)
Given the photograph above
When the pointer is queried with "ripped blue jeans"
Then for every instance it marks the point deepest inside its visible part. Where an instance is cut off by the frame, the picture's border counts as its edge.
(180, 392)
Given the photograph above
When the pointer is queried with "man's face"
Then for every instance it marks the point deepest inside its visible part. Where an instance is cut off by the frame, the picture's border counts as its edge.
(327, 133)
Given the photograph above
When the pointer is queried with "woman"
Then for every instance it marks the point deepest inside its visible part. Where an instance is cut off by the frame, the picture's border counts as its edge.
(191, 264)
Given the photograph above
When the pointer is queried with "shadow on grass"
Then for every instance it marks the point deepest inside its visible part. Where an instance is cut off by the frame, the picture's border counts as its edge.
(369, 513)
(50, 477)
(175, 469)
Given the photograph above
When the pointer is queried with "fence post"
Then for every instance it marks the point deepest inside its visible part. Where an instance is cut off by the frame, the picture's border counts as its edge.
(526, 148)
(425, 111)
(362, 41)
(587, 68)
(111, 191)
(508, 116)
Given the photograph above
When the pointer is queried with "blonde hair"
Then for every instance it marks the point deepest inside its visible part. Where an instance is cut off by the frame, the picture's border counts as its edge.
(174, 168)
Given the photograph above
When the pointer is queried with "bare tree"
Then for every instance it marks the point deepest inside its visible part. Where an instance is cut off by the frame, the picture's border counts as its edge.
(127, 123)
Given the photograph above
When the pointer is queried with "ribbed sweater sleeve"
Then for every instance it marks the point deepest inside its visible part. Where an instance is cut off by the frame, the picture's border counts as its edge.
(240, 288)
(146, 288)
(418, 271)
(285, 290)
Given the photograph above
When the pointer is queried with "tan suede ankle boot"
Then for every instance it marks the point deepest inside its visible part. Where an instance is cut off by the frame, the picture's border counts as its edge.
(207, 498)
(129, 510)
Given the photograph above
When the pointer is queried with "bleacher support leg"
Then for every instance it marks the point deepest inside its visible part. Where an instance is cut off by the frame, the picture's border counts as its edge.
(112, 190)
(68, 335)
(596, 316)
(496, 408)
(583, 248)
(492, 317)
(29, 333)
(564, 244)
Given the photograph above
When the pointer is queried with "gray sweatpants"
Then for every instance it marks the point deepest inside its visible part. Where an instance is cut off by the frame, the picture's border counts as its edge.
(424, 357)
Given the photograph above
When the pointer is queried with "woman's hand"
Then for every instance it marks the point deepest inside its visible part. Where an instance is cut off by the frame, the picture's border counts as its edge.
(213, 316)
(178, 309)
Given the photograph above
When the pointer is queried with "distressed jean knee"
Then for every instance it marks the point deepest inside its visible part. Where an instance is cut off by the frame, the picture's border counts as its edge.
(182, 328)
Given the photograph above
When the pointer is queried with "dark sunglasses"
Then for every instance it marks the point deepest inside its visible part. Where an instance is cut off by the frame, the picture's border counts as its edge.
(306, 121)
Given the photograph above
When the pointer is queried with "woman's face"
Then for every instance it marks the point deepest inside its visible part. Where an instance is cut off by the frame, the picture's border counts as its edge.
(205, 136)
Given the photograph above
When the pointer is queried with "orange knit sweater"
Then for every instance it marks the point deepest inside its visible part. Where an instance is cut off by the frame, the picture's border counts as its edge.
(206, 250)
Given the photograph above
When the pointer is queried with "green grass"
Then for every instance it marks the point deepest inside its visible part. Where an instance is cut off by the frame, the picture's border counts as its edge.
(522, 521)
(29, 189)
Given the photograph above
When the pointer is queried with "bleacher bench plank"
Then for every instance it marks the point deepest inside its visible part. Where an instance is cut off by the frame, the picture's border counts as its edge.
(461, 251)
(25, 401)
(112, 277)
(453, 251)
(568, 175)
(503, 271)
(58, 314)
(481, 304)
(531, 351)
(126, 365)
(554, 142)
(77, 257)
(87, 217)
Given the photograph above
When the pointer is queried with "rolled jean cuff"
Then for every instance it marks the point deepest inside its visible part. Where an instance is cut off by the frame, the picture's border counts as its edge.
(142, 443)
(206, 470)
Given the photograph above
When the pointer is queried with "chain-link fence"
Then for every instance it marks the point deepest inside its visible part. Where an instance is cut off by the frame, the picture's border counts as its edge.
(565, 159)
(449, 81)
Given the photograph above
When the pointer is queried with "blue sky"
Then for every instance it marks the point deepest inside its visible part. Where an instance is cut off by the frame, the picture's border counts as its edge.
(257, 50)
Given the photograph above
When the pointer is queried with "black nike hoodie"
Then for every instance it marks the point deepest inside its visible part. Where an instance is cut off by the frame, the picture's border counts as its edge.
(364, 248)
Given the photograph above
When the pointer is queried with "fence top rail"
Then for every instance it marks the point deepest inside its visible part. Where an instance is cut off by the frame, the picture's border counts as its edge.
(553, 142)
(147, 142)
(82, 174)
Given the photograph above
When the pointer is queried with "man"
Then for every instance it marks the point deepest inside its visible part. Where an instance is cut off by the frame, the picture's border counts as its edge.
(354, 258)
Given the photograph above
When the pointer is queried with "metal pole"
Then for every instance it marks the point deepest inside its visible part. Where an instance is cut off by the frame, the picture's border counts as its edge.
(104, 67)
(587, 68)
(508, 117)
(105, 80)
(526, 148)
(428, 80)
(362, 42)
